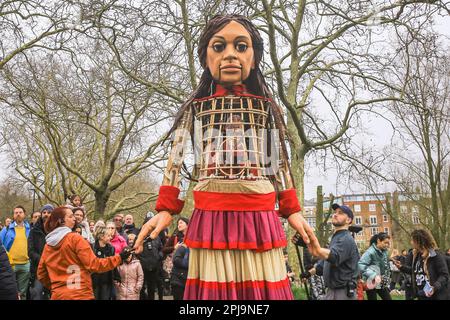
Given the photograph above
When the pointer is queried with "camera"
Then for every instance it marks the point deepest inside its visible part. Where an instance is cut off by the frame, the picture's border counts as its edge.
(298, 241)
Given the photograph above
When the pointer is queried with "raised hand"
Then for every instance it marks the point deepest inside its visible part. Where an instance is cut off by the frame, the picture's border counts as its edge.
(299, 223)
(153, 227)
(164, 220)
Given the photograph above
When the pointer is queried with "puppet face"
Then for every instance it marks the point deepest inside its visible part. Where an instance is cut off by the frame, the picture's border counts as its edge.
(230, 55)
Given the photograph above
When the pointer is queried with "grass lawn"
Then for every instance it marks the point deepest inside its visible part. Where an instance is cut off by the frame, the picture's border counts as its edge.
(299, 294)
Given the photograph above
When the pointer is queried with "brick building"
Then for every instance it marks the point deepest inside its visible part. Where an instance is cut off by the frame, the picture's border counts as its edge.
(369, 212)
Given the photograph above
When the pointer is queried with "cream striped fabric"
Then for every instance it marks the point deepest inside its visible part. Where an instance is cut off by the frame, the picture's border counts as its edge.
(235, 186)
(236, 265)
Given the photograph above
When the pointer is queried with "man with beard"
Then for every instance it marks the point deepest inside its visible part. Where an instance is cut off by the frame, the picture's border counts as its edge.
(36, 243)
(339, 263)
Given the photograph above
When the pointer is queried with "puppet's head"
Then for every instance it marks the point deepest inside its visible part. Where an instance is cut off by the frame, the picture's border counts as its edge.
(230, 50)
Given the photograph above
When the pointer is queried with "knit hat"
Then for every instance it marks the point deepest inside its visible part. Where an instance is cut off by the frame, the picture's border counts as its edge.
(47, 207)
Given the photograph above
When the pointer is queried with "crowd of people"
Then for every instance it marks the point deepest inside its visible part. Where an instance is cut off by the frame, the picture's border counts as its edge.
(59, 254)
(340, 273)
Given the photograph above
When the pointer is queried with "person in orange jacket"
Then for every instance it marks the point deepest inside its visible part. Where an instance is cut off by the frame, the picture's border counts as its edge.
(67, 260)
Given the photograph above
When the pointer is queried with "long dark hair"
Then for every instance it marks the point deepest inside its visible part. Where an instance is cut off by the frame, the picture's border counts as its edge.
(255, 82)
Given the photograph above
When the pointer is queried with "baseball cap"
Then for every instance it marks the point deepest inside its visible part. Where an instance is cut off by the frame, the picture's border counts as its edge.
(344, 209)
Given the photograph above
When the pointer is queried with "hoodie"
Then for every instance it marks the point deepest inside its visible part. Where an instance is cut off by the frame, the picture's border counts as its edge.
(55, 237)
(67, 263)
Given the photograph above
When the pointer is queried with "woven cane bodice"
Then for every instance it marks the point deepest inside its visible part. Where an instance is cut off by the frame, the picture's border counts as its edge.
(233, 136)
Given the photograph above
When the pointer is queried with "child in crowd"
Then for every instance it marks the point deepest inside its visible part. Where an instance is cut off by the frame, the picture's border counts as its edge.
(132, 279)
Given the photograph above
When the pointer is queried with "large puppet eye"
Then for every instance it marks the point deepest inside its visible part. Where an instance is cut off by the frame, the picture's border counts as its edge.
(241, 47)
(218, 47)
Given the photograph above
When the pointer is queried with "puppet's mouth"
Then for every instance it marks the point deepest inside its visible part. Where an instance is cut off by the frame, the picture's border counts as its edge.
(231, 67)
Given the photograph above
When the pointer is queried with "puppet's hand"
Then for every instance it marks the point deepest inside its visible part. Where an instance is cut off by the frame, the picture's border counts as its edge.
(153, 227)
(162, 221)
(299, 223)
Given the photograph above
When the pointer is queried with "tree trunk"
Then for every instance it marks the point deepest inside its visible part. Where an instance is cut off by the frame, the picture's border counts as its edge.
(297, 166)
(320, 218)
(101, 200)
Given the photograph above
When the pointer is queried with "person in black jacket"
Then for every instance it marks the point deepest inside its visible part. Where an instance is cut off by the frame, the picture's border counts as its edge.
(427, 267)
(151, 258)
(102, 283)
(339, 263)
(8, 285)
(129, 227)
(36, 244)
(180, 271)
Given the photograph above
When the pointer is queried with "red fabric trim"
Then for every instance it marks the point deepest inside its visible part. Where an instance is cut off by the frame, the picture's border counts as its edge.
(238, 285)
(237, 90)
(168, 200)
(236, 245)
(288, 203)
(234, 201)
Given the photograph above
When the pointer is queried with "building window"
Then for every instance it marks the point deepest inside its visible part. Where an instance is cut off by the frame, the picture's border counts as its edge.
(358, 221)
(415, 210)
(385, 218)
(403, 209)
(372, 207)
(386, 230)
(373, 220)
(357, 207)
(373, 231)
(311, 222)
(415, 219)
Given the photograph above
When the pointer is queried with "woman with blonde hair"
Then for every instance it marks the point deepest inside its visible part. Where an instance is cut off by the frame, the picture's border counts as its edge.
(102, 283)
(117, 241)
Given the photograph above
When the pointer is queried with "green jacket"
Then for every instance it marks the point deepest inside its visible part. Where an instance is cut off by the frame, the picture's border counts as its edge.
(374, 262)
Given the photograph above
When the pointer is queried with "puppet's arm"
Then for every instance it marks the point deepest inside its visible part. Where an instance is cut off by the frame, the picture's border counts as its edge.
(289, 206)
(168, 203)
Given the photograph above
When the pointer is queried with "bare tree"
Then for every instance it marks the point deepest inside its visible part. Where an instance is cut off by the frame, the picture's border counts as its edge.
(417, 161)
(87, 128)
(422, 169)
(28, 24)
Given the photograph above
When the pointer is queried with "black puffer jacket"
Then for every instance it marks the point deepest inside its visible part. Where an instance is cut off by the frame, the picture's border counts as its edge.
(105, 277)
(436, 266)
(180, 267)
(130, 229)
(152, 255)
(36, 244)
(8, 286)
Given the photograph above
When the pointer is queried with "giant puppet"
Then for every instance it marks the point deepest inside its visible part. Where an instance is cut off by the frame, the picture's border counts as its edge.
(235, 236)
